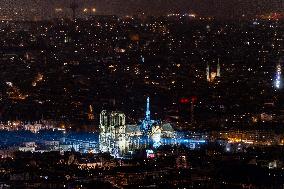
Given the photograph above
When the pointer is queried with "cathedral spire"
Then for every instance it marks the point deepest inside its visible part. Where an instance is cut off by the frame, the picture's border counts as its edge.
(147, 122)
(148, 113)
(218, 69)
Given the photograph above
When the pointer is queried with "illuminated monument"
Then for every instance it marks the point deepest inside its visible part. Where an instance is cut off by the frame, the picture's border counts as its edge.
(147, 123)
(112, 132)
(118, 139)
(211, 75)
(278, 76)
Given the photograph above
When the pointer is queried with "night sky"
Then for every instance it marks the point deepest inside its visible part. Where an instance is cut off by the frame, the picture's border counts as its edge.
(45, 8)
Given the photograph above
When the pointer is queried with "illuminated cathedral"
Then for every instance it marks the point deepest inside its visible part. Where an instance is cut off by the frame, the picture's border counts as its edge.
(112, 132)
(116, 137)
(211, 75)
(147, 123)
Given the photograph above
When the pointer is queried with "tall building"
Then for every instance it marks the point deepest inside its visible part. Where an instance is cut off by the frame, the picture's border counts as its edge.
(91, 113)
(218, 69)
(148, 113)
(278, 76)
(147, 123)
(112, 132)
(112, 124)
(212, 74)
(208, 72)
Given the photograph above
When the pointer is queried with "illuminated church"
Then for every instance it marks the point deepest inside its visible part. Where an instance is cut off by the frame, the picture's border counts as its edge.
(212, 75)
(112, 131)
(147, 123)
(118, 138)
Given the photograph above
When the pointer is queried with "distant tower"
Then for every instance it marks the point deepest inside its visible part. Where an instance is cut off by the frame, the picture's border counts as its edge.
(112, 123)
(74, 6)
(147, 122)
(104, 122)
(208, 72)
(278, 76)
(148, 113)
(112, 132)
(218, 69)
(91, 113)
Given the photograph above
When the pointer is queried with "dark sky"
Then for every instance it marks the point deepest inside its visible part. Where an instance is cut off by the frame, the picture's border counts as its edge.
(45, 8)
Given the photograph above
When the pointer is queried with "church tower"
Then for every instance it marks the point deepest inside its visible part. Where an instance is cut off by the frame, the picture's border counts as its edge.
(147, 122)
(218, 69)
(208, 73)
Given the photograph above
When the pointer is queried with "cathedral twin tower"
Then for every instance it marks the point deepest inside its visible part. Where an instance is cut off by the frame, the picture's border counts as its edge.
(211, 75)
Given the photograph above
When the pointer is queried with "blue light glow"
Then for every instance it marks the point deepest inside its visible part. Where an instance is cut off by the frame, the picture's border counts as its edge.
(278, 77)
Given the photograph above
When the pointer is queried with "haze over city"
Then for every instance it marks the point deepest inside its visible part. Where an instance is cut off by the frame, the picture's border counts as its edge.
(45, 9)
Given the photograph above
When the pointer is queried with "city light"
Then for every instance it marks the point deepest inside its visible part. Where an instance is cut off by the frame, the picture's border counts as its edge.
(278, 76)
(141, 94)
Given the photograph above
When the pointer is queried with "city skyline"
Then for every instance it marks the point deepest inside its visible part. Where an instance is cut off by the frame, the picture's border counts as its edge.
(40, 9)
(167, 94)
